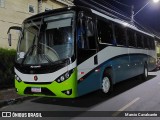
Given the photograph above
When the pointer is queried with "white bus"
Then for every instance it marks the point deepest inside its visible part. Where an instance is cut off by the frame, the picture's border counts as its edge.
(73, 51)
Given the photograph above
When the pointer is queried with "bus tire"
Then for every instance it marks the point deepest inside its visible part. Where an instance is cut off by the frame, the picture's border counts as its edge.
(145, 72)
(106, 84)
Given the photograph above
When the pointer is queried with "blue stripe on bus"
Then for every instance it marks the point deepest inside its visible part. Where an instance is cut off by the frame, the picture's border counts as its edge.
(92, 80)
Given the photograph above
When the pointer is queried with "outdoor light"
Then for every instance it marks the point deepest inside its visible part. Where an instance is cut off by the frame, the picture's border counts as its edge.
(155, 1)
(134, 14)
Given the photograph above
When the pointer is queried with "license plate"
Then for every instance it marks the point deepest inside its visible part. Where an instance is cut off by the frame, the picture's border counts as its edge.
(36, 90)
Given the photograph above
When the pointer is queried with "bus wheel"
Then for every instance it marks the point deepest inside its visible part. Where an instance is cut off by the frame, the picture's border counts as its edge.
(106, 84)
(145, 73)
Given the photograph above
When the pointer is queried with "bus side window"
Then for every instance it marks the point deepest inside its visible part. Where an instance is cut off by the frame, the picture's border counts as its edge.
(86, 34)
(139, 40)
(105, 32)
(131, 38)
(146, 44)
(90, 34)
(148, 41)
(120, 34)
(86, 43)
(81, 32)
(151, 42)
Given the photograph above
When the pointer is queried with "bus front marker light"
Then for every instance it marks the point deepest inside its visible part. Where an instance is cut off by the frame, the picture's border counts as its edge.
(81, 73)
(97, 70)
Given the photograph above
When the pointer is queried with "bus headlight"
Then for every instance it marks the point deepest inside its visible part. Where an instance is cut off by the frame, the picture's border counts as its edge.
(18, 78)
(67, 75)
(64, 77)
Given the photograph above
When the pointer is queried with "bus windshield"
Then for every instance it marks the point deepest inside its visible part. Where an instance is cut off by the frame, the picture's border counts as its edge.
(46, 40)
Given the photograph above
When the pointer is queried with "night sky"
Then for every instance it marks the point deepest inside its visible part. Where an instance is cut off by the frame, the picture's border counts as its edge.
(149, 17)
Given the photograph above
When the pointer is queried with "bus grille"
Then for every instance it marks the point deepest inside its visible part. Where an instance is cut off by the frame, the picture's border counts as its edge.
(44, 91)
(38, 83)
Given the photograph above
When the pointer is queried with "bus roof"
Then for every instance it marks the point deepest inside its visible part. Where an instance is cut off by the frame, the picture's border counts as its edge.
(119, 21)
(79, 8)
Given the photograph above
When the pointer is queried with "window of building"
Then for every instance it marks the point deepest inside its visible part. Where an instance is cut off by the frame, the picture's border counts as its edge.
(120, 34)
(131, 38)
(105, 32)
(31, 9)
(139, 38)
(2, 3)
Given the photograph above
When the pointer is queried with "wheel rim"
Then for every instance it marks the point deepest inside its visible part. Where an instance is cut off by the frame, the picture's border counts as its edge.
(105, 85)
(146, 72)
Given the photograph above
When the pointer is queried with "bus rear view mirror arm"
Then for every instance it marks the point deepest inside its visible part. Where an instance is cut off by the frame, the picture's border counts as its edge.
(9, 34)
(9, 39)
(14, 28)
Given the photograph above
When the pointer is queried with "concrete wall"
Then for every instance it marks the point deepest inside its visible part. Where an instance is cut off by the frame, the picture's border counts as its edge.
(51, 4)
(13, 14)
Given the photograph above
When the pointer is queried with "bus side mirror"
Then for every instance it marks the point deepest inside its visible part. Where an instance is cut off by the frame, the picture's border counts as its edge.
(9, 39)
(9, 34)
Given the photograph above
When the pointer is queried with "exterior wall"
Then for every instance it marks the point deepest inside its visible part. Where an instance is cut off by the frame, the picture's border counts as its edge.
(51, 4)
(12, 14)
(15, 11)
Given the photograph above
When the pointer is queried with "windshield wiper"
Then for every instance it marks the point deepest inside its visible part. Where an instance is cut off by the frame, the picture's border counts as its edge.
(47, 58)
(30, 51)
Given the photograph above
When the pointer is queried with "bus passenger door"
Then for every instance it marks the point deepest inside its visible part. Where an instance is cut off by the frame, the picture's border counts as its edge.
(87, 59)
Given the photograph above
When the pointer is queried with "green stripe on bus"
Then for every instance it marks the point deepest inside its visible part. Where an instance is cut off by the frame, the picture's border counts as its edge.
(55, 87)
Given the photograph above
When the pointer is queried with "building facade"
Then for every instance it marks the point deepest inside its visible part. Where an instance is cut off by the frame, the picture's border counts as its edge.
(13, 12)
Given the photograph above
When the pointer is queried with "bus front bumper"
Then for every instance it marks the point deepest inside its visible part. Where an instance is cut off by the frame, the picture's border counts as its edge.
(66, 89)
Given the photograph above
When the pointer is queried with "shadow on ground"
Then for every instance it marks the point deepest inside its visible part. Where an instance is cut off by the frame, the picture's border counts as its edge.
(96, 97)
